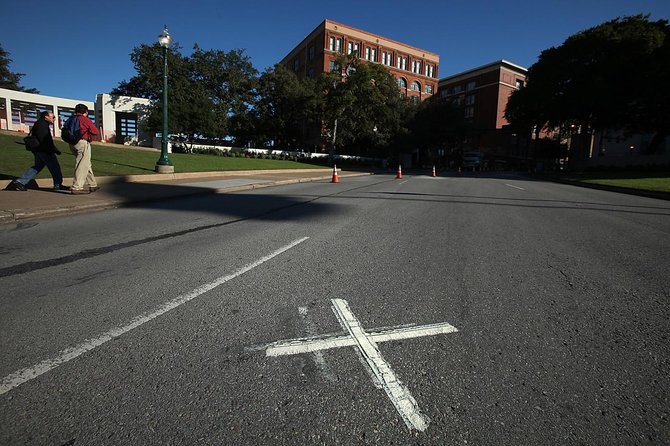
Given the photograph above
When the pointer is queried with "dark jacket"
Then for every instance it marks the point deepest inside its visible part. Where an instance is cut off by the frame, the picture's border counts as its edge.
(42, 132)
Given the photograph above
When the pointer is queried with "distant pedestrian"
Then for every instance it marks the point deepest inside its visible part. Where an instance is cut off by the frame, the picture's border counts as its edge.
(83, 171)
(45, 155)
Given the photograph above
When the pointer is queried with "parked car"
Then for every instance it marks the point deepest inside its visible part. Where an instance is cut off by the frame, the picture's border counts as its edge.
(472, 160)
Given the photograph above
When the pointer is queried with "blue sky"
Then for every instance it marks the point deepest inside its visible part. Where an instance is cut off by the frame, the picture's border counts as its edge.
(89, 54)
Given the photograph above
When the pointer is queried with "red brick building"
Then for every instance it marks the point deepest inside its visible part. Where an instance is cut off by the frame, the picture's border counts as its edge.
(483, 92)
(416, 70)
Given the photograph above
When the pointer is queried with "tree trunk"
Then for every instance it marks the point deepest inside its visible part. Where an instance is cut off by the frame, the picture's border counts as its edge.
(656, 141)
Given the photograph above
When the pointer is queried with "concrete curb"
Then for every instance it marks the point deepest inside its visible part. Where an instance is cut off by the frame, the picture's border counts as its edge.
(15, 216)
(158, 177)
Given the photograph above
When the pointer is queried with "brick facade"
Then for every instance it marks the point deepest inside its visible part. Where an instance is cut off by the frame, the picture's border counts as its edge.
(415, 69)
(484, 92)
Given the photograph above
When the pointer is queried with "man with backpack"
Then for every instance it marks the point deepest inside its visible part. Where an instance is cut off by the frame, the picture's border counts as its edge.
(80, 145)
(45, 154)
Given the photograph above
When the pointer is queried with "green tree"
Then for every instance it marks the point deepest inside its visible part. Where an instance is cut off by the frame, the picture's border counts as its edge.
(438, 124)
(286, 108)
(205, 90)
(365, 101)
(230, 81)
(608, 76)
(9, 79)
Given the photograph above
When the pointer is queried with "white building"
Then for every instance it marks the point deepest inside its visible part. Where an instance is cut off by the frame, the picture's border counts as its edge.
(117, 117)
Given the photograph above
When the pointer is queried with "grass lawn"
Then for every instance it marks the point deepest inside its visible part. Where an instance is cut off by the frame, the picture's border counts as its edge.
(653, 181)
(658, 184)
(114, 160)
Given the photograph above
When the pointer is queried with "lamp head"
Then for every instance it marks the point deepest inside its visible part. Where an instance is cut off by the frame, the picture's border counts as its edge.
(164, 39)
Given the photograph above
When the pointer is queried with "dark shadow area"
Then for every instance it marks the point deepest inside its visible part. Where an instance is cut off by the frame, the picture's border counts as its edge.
(32, 184)
(476, 197)
(235, 208)
(115, 163)
(239, 207)
(525, 203)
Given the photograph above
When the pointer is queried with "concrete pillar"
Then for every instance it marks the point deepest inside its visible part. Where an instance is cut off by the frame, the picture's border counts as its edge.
(57, 123)
(5, 122)
(10, 118)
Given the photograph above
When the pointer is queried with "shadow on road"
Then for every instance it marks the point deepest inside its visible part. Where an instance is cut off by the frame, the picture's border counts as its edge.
(450, 198)
(232, 208)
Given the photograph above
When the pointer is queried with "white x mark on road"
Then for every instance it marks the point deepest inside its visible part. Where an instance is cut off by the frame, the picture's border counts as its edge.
(366, 343)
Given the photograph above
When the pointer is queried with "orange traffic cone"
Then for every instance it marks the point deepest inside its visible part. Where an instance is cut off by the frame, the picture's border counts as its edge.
(433, 174)
(335, 179)
(399, 174)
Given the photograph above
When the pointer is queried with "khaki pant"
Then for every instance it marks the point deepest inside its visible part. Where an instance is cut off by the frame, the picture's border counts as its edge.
(83, 172)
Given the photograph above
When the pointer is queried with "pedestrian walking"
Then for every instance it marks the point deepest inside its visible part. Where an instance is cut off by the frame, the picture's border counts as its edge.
(45, 155)
(83, 171)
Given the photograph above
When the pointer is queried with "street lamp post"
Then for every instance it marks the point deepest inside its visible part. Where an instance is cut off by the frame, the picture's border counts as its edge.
(164, 165)
(331, 155)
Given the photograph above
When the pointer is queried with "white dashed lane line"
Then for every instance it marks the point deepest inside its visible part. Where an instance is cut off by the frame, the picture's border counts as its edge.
(515, 187)
(19, 377)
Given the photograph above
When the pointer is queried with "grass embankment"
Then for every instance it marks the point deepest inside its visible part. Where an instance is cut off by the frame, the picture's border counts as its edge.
(650, 181)
(111, 160)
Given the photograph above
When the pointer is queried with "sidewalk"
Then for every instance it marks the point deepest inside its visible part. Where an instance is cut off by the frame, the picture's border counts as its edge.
(126, 190)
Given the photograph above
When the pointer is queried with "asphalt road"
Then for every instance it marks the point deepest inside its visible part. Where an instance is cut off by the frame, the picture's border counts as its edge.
(490, 310)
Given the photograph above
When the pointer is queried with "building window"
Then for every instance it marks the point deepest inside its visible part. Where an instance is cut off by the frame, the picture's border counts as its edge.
(471, 85)
(429, 89)
(387, 58)
(352, 47)
(444, 93)
(335, 44)
(296, 64)
(310, 73)
(402, 83)
(402, 62)
(416, 86)
(519, 84)
(416, 66)
(458, 89)
(334, 66)
(415, 99)
(469, 112)
(371, 54)
(470, 100)
(430, 70)
(310, 52)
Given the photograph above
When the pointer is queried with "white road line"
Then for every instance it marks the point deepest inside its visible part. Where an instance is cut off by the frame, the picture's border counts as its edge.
(399, 395)
(19, 377)
(403, 182)
(298, 346)
(515, 187)
(366, 343)
(308, 345)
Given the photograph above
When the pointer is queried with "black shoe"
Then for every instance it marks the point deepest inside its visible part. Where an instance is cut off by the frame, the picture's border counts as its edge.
(19, 186)
(94, 188)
